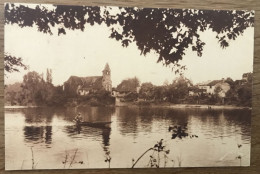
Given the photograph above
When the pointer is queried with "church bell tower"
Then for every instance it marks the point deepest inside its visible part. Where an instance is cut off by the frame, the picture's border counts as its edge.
(106, 80)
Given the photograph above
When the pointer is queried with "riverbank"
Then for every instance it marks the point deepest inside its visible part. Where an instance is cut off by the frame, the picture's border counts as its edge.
(183, 106)
(207, 106)
(154, 105)
(20, 107)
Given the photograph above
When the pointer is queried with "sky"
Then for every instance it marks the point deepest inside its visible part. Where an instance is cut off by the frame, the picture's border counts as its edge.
(85, 54)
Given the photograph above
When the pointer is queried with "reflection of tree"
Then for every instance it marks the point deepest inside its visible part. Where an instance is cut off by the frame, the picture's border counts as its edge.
(134, 120)
(33, 133)
(106, 136)
(93, 132)
(171, 116)
(233, 122)
(96, 114)
(240, 120)
(48, 134)
(168, 32)
(127, 120)
(38, 115)
(40, 134)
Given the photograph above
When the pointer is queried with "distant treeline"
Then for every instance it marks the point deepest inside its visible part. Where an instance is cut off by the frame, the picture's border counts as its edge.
(35, 90)
(182, 91)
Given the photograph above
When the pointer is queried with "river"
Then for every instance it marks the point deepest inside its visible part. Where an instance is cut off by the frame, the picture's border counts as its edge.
(47, 138)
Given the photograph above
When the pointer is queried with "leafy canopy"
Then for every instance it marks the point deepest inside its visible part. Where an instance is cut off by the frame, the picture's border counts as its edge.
(167, 32)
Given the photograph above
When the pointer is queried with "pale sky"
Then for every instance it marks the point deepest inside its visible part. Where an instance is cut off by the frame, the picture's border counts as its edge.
(86, 53)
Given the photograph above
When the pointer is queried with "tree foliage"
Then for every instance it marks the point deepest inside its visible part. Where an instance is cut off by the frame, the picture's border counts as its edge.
(167, 32)
(12, 63)
(129, 85)
(49, 76)
(173, 92)
(32, 87)
(147, 91)
(182, 91)
(34, 90)
(240, 92)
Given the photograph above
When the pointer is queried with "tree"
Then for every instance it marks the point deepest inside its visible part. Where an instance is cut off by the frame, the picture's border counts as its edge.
(181, 87)
(58, 97)
(167, 32)
(160, 93)
(49, 76)
(147, 91)
(232, 96)
(13, 94)
(32, 82)
(217, 90)
(245, 95)
(249, 78)
(240, 92)
(196, 94)
(129, 85)
(12, 63)
(36, 90)
(230, 81)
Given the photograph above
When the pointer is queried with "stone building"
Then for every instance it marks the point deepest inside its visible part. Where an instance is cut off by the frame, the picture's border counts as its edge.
(85, 85)
(106, 78)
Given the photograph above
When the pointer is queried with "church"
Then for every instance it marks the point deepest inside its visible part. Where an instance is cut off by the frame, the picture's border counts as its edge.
(84, 85)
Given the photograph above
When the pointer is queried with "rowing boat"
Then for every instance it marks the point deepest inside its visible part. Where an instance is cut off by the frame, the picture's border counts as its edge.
(105, 124)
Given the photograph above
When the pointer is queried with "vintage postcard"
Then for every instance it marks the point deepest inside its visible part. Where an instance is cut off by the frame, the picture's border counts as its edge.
(126, 87)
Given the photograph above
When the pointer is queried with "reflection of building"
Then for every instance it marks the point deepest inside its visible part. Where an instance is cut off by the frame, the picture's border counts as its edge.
(84, 85)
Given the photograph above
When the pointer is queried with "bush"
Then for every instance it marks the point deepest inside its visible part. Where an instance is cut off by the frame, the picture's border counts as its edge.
(133, 96)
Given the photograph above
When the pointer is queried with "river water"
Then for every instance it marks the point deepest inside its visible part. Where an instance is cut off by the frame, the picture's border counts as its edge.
(47, 138)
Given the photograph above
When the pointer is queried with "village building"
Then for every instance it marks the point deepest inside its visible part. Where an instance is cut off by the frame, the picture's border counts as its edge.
(245, 78)
(212, 87)
(84, 85)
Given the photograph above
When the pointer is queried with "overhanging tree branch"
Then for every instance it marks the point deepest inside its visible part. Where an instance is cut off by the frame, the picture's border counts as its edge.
(12, 63)
(167, 32)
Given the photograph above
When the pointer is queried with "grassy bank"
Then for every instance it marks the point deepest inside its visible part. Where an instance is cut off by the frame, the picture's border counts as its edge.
(183, 106)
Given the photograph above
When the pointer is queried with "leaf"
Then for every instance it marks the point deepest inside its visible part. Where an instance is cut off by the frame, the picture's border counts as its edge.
(61, 31)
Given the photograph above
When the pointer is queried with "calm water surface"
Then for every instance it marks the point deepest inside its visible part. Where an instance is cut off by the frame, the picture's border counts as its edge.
(54, 139)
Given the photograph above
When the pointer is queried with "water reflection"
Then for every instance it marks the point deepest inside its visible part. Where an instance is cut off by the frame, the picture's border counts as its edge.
(132, 121)
(42, 134)
(132, 128)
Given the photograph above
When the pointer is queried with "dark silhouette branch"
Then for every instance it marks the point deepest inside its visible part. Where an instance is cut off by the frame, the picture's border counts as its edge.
(73, 158)
(167, 32)
(12, 63)
(141, 156)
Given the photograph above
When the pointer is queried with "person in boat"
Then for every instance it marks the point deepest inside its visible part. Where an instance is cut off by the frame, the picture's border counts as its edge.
(78, 118)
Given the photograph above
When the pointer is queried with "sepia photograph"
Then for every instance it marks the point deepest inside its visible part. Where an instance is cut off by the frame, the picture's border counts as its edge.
(99, 87)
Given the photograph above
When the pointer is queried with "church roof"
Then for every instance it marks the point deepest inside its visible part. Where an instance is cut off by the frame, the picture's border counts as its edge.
(107, 68)
(86, 82)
